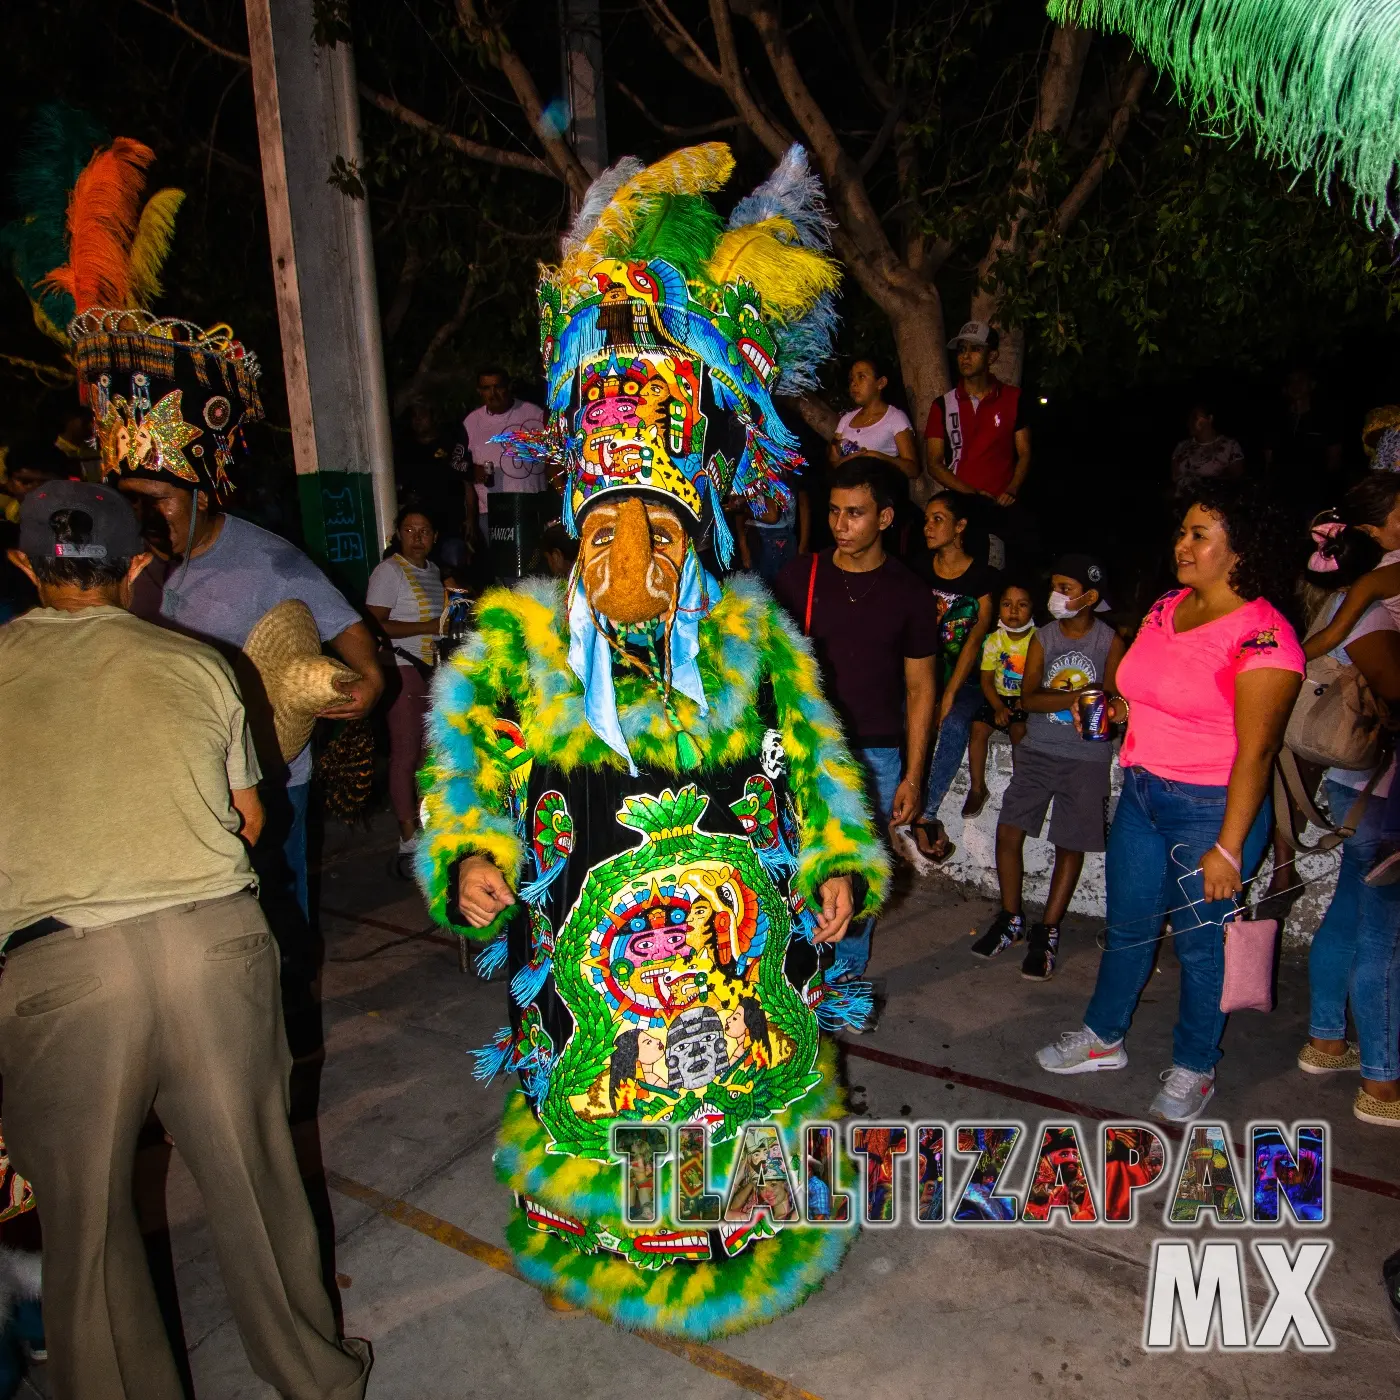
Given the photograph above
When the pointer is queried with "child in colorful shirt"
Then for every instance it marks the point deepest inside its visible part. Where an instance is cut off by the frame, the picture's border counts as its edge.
(1003, 666)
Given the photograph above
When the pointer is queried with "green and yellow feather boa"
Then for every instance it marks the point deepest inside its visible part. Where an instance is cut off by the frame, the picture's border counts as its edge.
(516, 665)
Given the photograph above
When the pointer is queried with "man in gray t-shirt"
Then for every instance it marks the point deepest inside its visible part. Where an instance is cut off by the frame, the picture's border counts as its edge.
(235, 572)
(1056, 768)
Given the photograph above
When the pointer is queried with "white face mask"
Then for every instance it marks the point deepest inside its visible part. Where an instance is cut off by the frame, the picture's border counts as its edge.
(1016, 631)
(1063, 606)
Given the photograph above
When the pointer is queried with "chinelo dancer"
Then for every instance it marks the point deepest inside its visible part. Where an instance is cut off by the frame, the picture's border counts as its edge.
(636, 794)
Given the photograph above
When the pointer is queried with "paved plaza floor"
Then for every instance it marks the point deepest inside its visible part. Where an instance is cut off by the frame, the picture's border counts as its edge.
(405, 1136)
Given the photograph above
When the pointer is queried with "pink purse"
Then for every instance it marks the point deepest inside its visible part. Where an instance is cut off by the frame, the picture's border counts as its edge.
(1249, 964)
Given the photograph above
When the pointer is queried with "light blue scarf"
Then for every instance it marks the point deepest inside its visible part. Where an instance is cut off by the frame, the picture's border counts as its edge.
(591, 658)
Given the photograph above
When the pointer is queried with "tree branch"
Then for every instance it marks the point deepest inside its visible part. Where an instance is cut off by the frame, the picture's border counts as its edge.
(1058, 92)
(772, 136)
(477, 150)
(1089, 181)
(684, 132)
(680, 43)
(843, 177)
(403, 291)
(493, 39)
(816, 413)
(414, 388)
(232, 55)
(860, 59)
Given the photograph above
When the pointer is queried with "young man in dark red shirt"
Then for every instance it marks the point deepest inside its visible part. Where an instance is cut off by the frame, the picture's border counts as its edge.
(978, 441)
(873, 628)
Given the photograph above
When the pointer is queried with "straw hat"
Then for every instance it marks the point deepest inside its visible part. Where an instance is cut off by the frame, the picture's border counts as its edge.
(1378, 420)
(298, 677)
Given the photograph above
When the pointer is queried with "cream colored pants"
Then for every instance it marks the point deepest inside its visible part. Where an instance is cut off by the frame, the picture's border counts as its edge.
(180, 1009)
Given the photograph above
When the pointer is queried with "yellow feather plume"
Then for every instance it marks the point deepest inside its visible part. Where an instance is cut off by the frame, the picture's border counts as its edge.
(151, 246)
(694, 170)
(788, 278)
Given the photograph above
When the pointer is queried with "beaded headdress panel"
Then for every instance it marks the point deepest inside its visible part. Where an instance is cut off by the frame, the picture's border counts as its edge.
(665, 331)
(169, 400)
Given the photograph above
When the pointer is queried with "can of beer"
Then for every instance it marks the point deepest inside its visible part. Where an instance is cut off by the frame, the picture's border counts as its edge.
(1094, 725)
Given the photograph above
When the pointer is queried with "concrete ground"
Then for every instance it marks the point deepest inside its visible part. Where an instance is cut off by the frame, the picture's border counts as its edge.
(406, 1137)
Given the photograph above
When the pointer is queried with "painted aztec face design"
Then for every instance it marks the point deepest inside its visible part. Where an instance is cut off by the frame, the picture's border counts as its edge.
(671, 965)
(638, 425)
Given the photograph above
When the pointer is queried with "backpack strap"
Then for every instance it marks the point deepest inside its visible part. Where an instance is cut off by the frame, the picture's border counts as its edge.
(811, 589)
(1288, 783)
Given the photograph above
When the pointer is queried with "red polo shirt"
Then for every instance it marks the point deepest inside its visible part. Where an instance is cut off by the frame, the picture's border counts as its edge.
(988, 429)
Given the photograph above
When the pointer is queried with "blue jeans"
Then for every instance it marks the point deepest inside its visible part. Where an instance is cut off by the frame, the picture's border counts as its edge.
(1159, 834)
(952, 745)
(1356, 952)
(280, 858)
(883, 768)
(772, 549)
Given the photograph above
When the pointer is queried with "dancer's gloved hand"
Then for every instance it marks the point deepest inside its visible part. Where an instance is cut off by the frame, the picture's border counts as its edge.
(482, 891)
(838, 904)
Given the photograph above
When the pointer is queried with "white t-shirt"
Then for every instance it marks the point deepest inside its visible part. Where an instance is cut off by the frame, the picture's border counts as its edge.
(1391, 605)
(878, 436)
(412, 595)
(1376, 618)
(512, 474)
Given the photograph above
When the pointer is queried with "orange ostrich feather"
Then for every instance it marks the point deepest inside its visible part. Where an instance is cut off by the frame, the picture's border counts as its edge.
(103, 214)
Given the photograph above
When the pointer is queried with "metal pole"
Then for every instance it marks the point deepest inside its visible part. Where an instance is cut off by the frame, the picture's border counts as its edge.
(582, 26)
(364, 288)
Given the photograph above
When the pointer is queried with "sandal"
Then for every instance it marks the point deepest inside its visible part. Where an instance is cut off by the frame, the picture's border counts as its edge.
(939, 847)
(976, 800)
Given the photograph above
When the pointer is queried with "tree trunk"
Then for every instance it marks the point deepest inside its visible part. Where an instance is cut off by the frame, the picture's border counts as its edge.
(920, 337)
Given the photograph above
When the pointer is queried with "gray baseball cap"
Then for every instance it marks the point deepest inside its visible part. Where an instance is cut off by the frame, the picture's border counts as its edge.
(975, 333)
(97, 523)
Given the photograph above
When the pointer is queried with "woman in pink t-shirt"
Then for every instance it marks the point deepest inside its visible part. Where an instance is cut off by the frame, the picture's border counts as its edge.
(1207, 688)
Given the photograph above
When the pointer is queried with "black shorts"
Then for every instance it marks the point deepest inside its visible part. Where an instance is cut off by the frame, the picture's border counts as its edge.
(1079, 789)
(986, 715)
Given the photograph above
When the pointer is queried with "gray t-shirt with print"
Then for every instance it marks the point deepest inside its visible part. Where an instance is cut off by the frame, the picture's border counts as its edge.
(1070, 664)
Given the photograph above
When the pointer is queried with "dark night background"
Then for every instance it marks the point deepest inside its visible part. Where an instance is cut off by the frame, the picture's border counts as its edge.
(1195, 268)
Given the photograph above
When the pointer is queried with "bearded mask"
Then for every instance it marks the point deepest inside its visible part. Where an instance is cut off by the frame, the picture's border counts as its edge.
(631, 555)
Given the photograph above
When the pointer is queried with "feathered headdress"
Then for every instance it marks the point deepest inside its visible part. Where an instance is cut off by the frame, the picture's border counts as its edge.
(665, 333)
(84, 237)
(1316, 83)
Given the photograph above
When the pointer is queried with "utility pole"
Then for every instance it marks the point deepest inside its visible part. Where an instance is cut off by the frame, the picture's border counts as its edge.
(327, 298)
(581, 27)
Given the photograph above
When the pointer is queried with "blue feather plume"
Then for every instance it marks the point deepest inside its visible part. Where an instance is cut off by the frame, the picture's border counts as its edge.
(793, 193)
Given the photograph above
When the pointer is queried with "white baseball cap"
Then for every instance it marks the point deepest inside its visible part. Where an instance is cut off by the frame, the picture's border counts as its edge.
(975, 333)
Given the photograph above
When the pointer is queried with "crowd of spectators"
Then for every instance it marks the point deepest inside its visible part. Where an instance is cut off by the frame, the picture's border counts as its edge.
(945, 617)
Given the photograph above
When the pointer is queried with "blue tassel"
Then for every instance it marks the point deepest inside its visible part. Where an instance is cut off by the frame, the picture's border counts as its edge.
(534, 1078)
(777, 861)
(804, 925)
(724, 541)
(492, 958)
(848, 1005)
(525, 986)
(491, 1059)
(534, 892)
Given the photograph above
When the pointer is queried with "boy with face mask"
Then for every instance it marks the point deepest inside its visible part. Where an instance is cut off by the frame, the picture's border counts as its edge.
(1054, 764)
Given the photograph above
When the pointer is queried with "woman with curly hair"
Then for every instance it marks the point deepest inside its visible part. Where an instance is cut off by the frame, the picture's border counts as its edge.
(1206, 690)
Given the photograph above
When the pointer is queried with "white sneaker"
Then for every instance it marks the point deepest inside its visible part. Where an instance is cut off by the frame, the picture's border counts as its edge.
(1081, 1052)
(1185, 1092)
